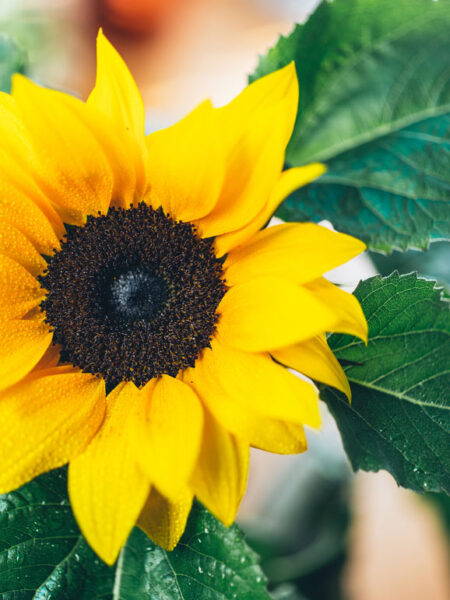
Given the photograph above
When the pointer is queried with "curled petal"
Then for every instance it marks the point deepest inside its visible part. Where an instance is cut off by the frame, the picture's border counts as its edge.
(271, 312)
(254, 130)
(314, 359)
(288, 182)
(226, 379)
(347, 309)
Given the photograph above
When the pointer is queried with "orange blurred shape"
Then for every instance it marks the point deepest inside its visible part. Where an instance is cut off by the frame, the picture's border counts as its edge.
(138, 16)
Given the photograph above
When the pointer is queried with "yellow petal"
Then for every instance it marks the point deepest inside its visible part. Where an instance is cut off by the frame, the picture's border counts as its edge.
(16, 245)
(280, 437)
(186, 165)
(32, 222)
(350, 317)
(254, 129)
(226, 379)
(116, 93)
(106, 487)
(314, 359)
(168, 440)
(220, 477)
(117, 99)
(20, 194)
(70, 164)
(23, 345)
(255, 428)
(19, 290)
(50, 358)
(163, 521)
(271, 312)
(45, 421)
(297, 251)
(265, 433)
(288, 182)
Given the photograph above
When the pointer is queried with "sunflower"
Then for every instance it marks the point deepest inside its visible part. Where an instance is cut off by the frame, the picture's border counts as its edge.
(147, 318)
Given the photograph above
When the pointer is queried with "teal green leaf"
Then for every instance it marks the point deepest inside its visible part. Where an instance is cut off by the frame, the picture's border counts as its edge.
(399, 417)
(12, 60)
(432, 264)
(375, 106)
(441, 503)
(44, 557)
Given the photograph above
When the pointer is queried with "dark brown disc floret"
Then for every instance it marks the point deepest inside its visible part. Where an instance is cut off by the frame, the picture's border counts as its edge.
(132, 295)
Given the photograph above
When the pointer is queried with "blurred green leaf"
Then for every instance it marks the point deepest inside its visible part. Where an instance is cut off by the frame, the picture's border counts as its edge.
(44, 557)
(375, 106)
(12, 60)
(398, 419)
(434, 263)
(441, 502)
(301, 531)
(287, 592)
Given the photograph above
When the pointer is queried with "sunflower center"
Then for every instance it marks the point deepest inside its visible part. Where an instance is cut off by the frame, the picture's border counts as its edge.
(133, 295)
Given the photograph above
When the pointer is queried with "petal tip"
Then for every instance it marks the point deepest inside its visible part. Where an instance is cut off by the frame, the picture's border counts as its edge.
(346, 389)
(227, 519)
(319, 169)
(170, 546)
(359, 245)
(102, 39)
(103, 45)
(107, 557)
(290, 70)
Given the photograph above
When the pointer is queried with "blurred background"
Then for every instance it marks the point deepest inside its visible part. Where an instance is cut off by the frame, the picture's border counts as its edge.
(323, 533)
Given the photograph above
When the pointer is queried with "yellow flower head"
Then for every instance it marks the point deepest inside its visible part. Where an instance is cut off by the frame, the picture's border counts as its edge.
(142, 304)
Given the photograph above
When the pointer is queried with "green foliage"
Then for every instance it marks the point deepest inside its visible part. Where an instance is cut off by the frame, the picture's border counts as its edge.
(374, 105)
(287, 592)
(398, 419)
(12, 60)
(300, 533)
(44, 556)
(441, 503)
(432, 263)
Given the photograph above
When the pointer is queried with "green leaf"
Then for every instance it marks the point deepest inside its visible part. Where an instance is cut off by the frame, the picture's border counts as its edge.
(44, 557)
(432, 264)
(398, 419)
(441, 503)
(392, 193)
(12, 60)
(375, 106)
